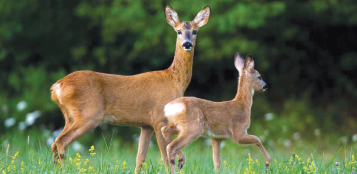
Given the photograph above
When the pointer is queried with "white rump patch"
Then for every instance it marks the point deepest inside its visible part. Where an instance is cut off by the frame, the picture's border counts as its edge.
(58, 92)
(173, 109)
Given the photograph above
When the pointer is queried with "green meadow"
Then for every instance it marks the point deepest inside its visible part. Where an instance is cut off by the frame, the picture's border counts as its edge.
(28, 153)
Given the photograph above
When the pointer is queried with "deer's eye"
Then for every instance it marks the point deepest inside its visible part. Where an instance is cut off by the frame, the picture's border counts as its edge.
(194, 32)
(179, 32)
(260, 77)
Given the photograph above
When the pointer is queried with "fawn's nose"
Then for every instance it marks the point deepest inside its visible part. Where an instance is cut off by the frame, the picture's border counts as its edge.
(265, 87)
(187, 45)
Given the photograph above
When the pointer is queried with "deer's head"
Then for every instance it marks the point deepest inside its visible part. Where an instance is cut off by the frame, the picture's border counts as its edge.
(252, 78)
(187, 30)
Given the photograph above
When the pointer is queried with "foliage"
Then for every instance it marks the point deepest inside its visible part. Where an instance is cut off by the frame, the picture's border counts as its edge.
(305, 50)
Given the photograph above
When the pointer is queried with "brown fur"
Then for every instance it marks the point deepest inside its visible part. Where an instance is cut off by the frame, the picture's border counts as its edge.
(88, 98)
(216, 120)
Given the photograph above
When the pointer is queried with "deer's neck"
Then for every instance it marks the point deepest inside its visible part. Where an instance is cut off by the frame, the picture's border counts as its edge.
(244, 93)
(181, 67)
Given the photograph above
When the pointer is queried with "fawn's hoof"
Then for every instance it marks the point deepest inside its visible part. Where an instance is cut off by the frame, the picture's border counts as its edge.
(180, 166)
(267, 167)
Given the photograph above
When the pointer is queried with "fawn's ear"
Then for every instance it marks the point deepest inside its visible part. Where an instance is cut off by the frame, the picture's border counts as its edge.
(249, 63)
(238, 62)
(171, 16)
(202, 17)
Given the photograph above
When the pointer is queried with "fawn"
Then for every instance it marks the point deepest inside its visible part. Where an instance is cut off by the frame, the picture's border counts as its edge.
(87, 98)
(190, 117)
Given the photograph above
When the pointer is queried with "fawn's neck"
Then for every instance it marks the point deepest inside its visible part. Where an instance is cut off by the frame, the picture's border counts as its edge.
(181, 67)
(244, 93)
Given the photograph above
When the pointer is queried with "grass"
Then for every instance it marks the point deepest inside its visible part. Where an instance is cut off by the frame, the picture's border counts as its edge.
(20, 153)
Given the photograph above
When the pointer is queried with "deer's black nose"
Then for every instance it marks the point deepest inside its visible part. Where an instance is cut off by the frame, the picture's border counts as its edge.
(265, 87)
(187, 45)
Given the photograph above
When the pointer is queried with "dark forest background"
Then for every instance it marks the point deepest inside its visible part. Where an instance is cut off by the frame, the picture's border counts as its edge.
(306, 50)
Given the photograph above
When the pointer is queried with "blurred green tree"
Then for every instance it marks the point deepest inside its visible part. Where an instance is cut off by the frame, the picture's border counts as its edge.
(305, 50)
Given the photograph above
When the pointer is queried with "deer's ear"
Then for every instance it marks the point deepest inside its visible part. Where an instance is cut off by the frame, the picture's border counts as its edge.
(202, 17)
(249, 63)
(171, 16)
(238, 62)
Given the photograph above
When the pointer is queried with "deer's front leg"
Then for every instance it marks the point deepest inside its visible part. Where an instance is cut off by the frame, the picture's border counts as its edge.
(216, 148)
(161, 142)
(144, 141)
(251, 139)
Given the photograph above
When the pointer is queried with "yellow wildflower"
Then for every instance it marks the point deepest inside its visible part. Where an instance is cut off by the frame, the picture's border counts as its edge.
(298, 158)
(91, 149)
(16, 154)
(22, 166)
(92, 154)
(291, 160)
(86, 161)
(225, 163)
(145, 167)
(124, 165)
(250, 160)
(256, 161)
(90, 169)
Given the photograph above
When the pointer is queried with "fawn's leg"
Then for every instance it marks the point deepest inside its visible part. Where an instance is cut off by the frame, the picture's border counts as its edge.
(167, 132)
(216, 148)
(144, 141)
(180, 142)
(251, 139)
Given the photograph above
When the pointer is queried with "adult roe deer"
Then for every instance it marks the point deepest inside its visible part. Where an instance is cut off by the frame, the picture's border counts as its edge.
(190, 117)
(88, 98)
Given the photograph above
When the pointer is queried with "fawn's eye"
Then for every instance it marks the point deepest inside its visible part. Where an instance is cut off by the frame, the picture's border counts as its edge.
(179, 32)
(194, 32)
(260, 77)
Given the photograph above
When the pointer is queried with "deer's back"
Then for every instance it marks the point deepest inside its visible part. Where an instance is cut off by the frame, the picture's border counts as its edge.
(125, 99)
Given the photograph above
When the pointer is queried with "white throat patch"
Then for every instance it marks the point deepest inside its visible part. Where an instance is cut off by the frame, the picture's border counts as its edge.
(187, 49)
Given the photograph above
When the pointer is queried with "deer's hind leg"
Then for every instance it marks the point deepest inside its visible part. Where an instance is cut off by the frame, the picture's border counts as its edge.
(79, 121)
(68, 123)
